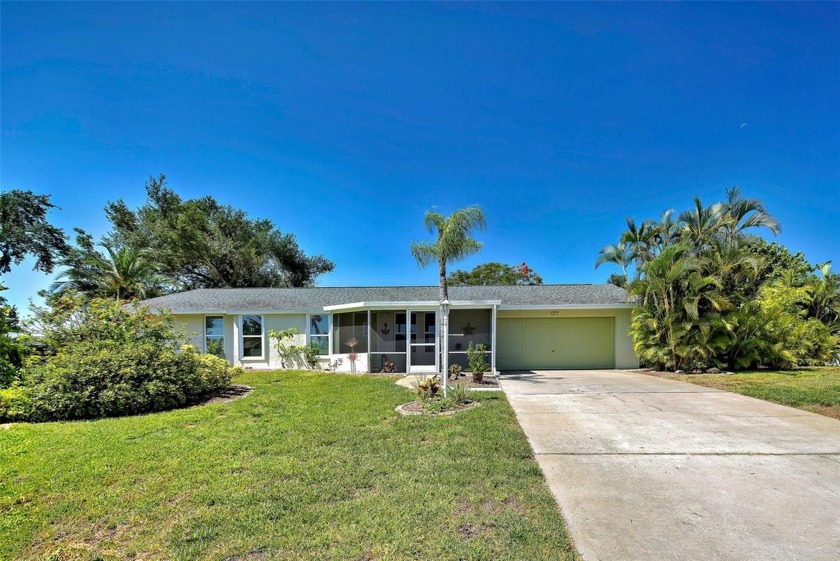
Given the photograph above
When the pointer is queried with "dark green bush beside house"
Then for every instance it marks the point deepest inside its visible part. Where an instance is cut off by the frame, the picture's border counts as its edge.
(109, 361)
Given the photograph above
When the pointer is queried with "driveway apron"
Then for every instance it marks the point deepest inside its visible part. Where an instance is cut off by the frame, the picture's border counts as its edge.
(645, 468)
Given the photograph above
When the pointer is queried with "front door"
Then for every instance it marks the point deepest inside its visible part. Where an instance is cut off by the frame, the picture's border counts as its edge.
(422, 355)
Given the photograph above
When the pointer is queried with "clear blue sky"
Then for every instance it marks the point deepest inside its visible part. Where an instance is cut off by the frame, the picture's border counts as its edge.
(343, 123)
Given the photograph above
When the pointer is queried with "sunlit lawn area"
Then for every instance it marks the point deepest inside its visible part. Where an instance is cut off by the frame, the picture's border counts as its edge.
(811, 389)
(308, 466)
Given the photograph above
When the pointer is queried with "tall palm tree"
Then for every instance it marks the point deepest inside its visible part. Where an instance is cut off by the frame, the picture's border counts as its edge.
(701, 224)
(453, 241)
(619, 254)
(667, 229)
(122, 273)
(642, 241)
(741, 214)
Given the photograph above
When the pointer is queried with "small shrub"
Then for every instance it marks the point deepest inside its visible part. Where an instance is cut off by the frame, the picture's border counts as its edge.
(426, 388)
(294, 356)
(459, 393)
(455, 371)
(13, 404)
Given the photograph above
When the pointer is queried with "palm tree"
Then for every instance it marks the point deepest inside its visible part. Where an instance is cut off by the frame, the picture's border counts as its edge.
(453, 241)
(701, 224)
(741, 214)
(122, 273)
(618, 255)
(642, 241)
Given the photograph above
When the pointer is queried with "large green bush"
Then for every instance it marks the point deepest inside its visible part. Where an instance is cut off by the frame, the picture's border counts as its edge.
(110, 361)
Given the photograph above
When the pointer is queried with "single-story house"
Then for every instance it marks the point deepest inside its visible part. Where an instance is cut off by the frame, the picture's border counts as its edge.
(524, 327)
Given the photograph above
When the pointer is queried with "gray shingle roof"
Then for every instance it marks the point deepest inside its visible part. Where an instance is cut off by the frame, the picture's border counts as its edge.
(312, 299)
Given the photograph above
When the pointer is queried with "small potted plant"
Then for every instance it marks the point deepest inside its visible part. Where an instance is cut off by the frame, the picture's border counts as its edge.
(476, 357)
(454, 371)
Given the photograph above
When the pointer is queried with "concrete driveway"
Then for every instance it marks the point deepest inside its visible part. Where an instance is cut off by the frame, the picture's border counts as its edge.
(650, 469)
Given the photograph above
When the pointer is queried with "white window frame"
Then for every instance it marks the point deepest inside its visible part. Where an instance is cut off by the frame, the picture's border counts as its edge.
(222, 336)
(242, 337)
(328, 334)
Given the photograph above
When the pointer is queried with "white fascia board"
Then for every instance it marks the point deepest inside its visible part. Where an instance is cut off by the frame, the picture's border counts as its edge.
(566, 306)
(474, 303)
(338, 307)
(260, 312)
(420, 304)
(265, 312)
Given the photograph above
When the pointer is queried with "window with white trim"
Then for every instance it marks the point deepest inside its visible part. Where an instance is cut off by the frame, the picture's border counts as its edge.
(214, 335)
(319, 332)
(252, 336)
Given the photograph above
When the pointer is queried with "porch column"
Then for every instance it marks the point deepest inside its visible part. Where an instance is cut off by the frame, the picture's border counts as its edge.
(237, 357)
(444, 306)
(369, 343)
(493, 341)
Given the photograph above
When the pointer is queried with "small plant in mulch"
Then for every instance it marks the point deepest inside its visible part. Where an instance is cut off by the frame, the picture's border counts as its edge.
(455, 371)
(428, 398)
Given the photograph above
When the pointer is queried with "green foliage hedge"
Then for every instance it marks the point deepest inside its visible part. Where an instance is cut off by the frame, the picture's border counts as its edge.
(110, 361)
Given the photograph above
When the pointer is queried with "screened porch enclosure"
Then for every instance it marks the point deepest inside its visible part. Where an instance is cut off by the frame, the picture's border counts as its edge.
(465, 326)
(410, 339)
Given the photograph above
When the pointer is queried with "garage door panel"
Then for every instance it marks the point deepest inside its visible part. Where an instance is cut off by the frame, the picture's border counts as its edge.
(555, 343)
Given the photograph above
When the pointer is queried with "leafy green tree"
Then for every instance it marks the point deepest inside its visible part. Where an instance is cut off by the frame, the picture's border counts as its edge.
(494, 274)
(777, 261)
(452, 242)
(120, 273)
(618, 280)
(24, 230)
(12, 350)
(200, 243)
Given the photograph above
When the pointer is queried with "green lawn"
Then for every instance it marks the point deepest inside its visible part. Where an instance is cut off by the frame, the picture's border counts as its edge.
(811, 389)
(308, 466)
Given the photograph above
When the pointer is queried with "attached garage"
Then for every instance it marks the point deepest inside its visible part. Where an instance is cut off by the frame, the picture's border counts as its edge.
(555, 343)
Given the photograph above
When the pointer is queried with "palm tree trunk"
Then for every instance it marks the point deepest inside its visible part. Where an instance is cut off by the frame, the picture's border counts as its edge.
(444, 289)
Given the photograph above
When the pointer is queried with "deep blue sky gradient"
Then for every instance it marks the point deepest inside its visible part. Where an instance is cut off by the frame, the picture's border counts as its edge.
(344, 123)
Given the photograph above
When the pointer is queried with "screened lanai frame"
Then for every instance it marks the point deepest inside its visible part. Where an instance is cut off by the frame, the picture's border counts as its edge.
(384, 333)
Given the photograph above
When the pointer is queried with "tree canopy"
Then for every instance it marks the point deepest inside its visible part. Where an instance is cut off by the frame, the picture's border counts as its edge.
(200, 243)
(121, 273)
(24, 230)
(493, 274)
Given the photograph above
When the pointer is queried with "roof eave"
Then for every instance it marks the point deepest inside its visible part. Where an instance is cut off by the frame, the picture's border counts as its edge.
(616, 306)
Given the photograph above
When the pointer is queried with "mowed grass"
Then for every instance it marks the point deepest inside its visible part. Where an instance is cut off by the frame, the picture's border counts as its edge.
(308, 466)
(812, 389)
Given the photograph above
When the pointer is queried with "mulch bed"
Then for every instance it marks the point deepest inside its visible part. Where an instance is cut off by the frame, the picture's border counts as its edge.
(415, 408)
(661, 374)
(488, 382)
(226, 395)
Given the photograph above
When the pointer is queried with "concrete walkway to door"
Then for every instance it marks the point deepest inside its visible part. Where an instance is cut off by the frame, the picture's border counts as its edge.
(645, 468)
